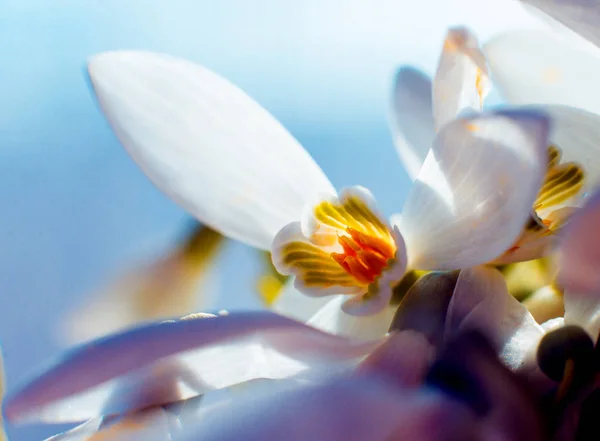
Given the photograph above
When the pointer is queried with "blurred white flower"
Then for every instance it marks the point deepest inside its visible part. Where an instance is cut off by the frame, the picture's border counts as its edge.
(176, 284)
(556, 69)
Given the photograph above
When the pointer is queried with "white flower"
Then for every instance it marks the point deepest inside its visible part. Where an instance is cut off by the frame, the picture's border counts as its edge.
(556, 69)
(231, 164)
(421, 107)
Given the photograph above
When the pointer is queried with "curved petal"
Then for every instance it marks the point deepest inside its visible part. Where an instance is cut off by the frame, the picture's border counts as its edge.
(535, 67)
(478, 302)
(354, 409)
(581, 16)
(411, 121)
(403, 359)
(476, 189)
(521, 335)
(206, 144)
(577, 133)
(461, 81)
(83, 432)
(170, 361)
(331, 318)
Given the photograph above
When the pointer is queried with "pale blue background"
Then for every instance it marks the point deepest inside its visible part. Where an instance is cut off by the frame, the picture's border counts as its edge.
(76, 208)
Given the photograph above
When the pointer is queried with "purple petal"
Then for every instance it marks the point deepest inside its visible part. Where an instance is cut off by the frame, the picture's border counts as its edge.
(170, 361)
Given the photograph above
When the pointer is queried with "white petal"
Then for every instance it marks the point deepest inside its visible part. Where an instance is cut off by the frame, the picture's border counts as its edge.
(354, 409)
(331, 318)
(577, 133)
(534, 67)
(582, 16)
(478, 302)
(292, 303)
(461, 81)
(412, 118)
(475, 190)
(175, 360)
(206, 144)
(521, 335)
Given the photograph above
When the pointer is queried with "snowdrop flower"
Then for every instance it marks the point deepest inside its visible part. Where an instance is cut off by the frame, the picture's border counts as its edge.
(176, 284)
(555, 68)
(228, 162)
(421, 107)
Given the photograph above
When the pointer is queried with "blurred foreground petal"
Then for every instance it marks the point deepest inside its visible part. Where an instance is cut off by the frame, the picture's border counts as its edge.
(171, 361)
(350, 410)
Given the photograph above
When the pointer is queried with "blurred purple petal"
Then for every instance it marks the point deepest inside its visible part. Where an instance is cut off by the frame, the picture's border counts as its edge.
(166, 362)
(579, 251)
(403, 359)
(357, 409)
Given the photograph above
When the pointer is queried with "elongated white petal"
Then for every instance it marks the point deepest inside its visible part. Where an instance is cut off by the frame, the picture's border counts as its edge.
(412, 118)
(521, 335)
(292, 303)
(206, 144)
(475, 190)
(351, 410)
(331, 318)
(478, 302)
(582, 16)
(175, 360)
(461, 81)
(535, 67)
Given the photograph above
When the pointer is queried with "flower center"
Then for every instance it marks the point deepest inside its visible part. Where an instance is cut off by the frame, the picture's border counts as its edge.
(364, 256)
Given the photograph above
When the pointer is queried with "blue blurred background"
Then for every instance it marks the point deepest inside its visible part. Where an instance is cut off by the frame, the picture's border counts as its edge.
(77, 209)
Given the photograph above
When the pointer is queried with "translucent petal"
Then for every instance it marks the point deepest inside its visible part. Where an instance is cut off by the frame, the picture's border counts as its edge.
(582, 16)
(175, 360)
(475, 190)
(206, 144)
(411, 121)
(535, 67)
(478, 302)
(331, 318)
(461, 81)
(356, 409)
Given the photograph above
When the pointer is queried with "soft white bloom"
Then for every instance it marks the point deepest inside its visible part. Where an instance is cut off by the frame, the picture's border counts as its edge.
(231, 164)
(556, 69)
(421, 107)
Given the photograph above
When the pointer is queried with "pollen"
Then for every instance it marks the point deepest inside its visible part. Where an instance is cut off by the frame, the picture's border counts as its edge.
(364, 257)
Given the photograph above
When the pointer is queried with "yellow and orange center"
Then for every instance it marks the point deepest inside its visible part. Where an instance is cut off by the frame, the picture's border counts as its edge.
(364, 256)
